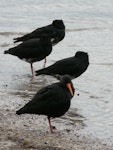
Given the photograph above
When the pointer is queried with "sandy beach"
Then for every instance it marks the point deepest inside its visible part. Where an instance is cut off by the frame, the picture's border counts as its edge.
(30, 132)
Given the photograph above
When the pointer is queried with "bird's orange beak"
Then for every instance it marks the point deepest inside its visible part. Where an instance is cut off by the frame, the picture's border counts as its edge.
(70, 89)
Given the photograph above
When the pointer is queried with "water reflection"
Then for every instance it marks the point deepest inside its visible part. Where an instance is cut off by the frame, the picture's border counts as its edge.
(27, 87)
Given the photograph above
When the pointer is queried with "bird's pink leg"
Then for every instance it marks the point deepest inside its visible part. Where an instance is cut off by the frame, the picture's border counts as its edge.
(32, 69)
(44, 62)
(51, 128)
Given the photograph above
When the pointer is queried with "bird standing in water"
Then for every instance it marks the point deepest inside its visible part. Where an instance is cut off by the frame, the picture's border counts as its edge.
(53, 100)
(32, 50)
(73, 66)
(56, 31)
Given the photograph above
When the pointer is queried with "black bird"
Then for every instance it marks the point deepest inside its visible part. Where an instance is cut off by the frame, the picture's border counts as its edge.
(32, 50)
(56, 31)
(73, 66)
(53, 100)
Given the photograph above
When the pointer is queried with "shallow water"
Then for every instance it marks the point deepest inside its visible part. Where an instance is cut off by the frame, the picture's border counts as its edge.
(89, 28)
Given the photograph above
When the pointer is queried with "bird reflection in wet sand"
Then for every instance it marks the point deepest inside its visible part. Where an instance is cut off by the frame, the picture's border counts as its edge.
(32, 50)
(53, 100)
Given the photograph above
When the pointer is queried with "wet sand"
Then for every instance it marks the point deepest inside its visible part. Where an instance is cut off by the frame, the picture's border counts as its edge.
(29, 132)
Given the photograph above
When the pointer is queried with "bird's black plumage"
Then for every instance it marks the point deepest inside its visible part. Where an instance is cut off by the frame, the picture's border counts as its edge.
(52, 100)
(73, 66)
(32, 50)
(56, 31)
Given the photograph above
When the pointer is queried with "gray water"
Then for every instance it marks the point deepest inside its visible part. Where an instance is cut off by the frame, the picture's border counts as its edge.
(89, 28)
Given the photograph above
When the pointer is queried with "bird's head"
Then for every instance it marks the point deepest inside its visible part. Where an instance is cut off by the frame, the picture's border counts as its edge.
(82, 55)
(66, 81)
(58, 24)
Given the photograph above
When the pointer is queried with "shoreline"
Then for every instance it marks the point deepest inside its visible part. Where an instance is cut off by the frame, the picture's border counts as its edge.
(30, 132)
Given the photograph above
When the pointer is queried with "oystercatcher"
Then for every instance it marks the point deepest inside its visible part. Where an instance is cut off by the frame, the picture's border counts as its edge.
(32, 50)
(56, 31)
(73, 66)
(53, 100)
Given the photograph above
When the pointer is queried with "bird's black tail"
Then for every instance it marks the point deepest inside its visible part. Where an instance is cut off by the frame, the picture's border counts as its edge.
(6, 52)
(9, 51)
(47, 71)
(17, 40)
(42, 71)
(20, 111)
(22, 38)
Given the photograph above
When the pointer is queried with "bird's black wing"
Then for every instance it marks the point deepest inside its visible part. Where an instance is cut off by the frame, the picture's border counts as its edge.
(49, 30)
(28, 49)
(65, 66)
(44, 94)
(43, 101)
